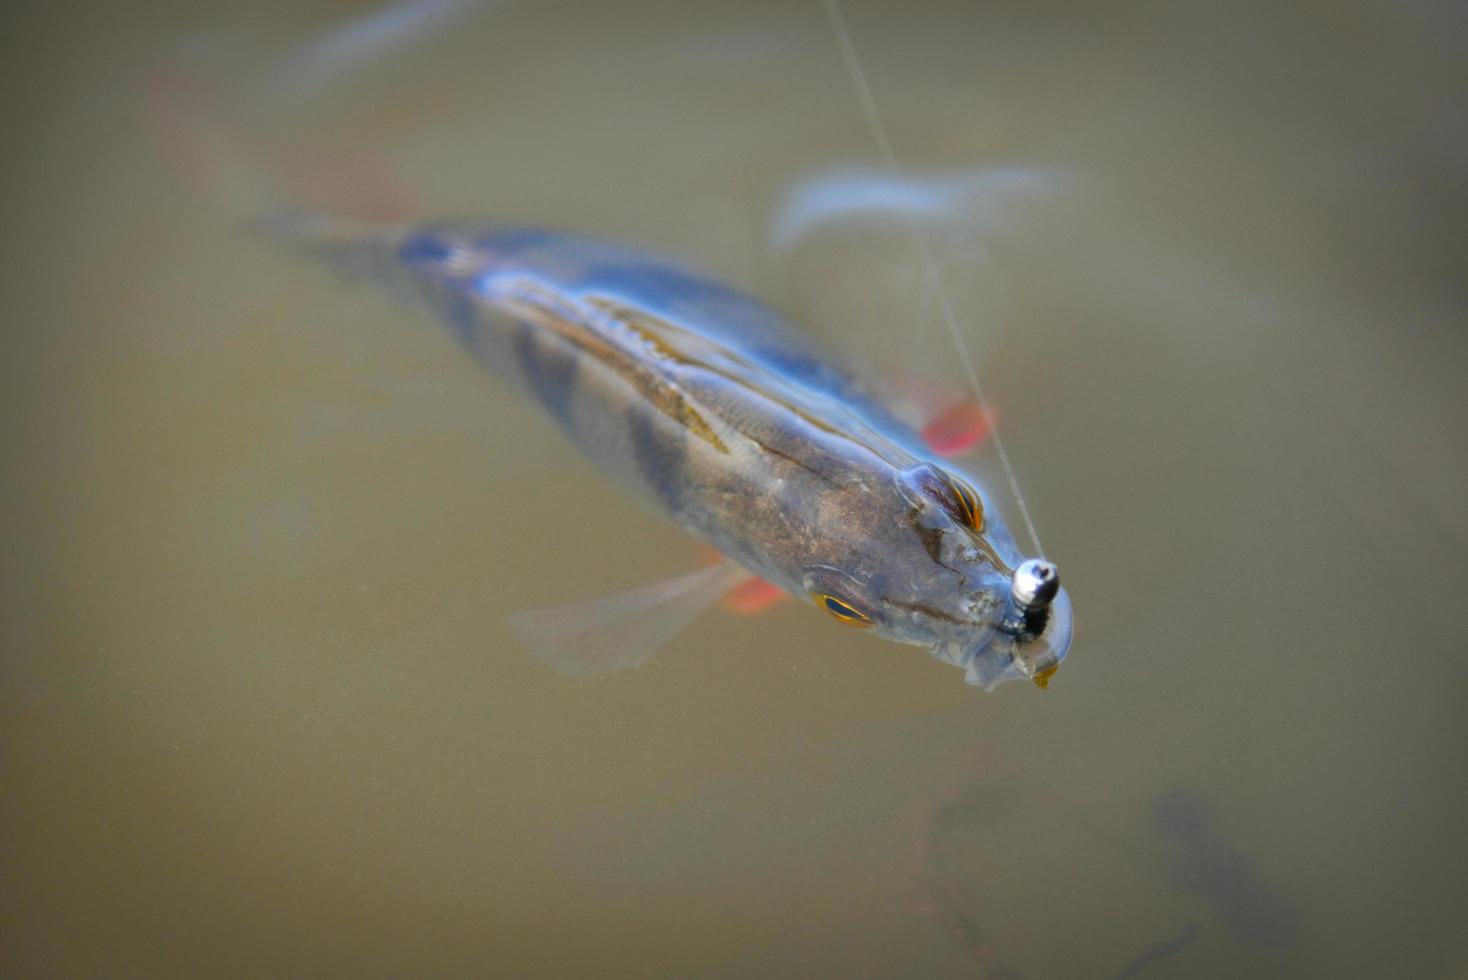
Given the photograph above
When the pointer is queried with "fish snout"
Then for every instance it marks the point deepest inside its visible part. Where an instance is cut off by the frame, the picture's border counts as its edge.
(1033, 636)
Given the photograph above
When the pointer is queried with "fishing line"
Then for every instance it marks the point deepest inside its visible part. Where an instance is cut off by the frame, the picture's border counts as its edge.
(935, 281)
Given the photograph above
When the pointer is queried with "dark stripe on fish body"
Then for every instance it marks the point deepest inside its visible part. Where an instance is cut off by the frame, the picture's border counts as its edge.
(658, 451)
(551, 372)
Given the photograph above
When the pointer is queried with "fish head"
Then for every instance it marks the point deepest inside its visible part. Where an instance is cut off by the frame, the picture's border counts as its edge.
(927, 562)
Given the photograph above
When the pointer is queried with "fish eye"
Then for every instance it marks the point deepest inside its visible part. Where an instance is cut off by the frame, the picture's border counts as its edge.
(842, 611)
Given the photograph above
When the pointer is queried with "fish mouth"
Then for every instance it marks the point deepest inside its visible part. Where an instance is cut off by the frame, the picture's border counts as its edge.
(1017, 649)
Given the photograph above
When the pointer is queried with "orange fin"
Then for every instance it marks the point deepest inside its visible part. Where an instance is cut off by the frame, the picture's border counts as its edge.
(753, 596)
(209, 141)
(342, 180)
(749, 597)
(959, 429)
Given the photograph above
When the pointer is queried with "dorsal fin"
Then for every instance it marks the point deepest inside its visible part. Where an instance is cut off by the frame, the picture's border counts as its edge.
(680, 345)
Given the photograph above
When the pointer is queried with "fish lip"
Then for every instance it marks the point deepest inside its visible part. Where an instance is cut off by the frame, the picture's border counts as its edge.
(1008, 653)
(1050, 646)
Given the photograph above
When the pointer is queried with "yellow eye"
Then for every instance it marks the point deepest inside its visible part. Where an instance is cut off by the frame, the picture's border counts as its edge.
(842, 611)
(971, 508)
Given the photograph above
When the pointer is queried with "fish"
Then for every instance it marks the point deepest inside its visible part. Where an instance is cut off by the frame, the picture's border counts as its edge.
(1202, 861)
(962, 839)
(1160, 951)
(716, 410)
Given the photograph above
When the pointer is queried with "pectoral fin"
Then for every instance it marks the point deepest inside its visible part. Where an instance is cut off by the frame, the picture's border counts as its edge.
(753, 597)
(587, 639)
(959, 429)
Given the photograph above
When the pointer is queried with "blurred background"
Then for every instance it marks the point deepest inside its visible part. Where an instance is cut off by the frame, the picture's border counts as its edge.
(260, 714)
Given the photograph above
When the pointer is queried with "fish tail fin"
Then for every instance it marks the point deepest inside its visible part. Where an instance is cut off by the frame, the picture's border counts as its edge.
(228, 150)
(342, 207)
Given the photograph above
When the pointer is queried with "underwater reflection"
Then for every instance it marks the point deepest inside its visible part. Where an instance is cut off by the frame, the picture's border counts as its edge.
(1201, 861)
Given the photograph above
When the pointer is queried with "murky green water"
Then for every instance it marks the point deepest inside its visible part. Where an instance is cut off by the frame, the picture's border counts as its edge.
(260, 713)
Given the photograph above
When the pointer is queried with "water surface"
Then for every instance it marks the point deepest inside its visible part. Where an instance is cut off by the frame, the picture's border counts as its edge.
(260, 711)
